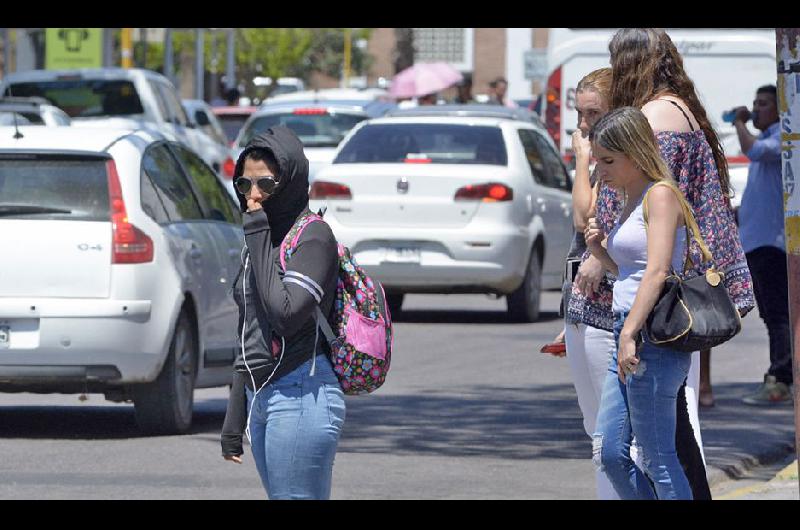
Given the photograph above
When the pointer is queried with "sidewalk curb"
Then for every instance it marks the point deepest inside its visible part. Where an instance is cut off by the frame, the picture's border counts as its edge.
(718, 474)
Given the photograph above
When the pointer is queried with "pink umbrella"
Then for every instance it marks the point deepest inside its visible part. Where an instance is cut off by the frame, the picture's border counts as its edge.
(424, 78)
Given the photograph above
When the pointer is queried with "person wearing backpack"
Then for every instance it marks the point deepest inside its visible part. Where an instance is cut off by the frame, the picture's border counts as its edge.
(285, 395)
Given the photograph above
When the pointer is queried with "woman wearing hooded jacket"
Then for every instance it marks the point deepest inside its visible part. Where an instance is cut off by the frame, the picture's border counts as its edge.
(285, 395)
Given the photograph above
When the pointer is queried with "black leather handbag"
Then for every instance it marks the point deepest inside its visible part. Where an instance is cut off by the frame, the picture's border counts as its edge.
(696, 313)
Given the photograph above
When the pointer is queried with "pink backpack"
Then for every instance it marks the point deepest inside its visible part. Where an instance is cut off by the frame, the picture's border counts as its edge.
(361, 335)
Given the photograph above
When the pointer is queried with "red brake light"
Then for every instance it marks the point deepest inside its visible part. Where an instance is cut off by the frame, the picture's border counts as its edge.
(490, 192)
(309, 112)
(228, 168)
(734, 160)
(553, 109)
(129, 244)
(329, 190)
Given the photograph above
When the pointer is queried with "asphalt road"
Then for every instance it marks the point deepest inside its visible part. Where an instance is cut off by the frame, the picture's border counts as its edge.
(470, 410)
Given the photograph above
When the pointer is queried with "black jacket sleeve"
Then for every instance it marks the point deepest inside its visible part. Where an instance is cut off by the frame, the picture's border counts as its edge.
(235, 418)
(289, 300)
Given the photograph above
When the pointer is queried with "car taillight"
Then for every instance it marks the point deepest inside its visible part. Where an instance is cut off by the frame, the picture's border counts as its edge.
(228, 168)
(737, 160)
(552, 117)
(128, 243)
(309, 112)
(490, 192)
(329, 190)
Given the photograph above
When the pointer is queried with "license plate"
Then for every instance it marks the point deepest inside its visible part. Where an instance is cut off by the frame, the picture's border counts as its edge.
(5, 336)
(401, 255)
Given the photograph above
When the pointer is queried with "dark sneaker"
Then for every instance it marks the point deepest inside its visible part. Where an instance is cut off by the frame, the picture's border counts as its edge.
(770, 393)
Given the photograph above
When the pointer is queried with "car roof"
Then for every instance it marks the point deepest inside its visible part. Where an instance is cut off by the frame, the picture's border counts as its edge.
(65, 139)
(350, 94)
(235, 110)
(96, 73)
(331, 106)
(473, 110)
(453, 120)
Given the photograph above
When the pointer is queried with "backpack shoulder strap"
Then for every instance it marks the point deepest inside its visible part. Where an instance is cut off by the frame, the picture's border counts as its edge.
(289, 242)
(323, 324)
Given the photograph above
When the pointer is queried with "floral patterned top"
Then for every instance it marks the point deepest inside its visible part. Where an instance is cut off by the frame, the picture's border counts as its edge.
(689, 157)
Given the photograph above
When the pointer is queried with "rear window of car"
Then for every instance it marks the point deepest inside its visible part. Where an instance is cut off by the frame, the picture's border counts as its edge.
(314, 128)
(232, 124)
(84, 98)
(53, 189)
(433, 143)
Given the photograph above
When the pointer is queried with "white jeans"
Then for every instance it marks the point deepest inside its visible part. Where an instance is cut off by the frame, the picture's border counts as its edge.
(589, 350)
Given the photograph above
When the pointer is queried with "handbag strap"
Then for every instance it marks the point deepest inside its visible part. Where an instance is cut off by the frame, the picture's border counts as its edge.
(690, 223)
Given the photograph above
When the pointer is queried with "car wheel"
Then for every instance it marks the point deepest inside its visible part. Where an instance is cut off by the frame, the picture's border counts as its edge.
(523, 304)
(165, 405)
(395, 302)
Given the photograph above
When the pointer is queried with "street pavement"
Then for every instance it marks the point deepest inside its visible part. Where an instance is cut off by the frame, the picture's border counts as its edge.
(471, 410)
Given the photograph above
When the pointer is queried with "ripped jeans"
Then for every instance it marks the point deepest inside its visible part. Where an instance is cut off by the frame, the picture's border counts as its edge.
(645, 407)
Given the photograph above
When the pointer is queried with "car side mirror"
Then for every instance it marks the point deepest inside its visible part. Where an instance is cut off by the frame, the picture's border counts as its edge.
(201, 119)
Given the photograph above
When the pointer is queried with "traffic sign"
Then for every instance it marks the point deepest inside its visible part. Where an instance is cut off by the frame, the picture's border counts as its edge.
(535, 64)
(73, 48)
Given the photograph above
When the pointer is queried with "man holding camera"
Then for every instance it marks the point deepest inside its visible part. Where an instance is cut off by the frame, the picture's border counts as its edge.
(761, 226)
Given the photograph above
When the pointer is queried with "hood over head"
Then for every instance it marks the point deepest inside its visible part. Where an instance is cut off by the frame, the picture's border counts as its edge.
(291, 195)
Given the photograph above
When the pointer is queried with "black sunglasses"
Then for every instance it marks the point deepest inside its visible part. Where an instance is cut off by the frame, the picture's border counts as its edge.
(265, 184)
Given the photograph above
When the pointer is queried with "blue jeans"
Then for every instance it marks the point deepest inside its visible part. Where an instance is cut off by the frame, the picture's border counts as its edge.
(643, 407)
(294, 430)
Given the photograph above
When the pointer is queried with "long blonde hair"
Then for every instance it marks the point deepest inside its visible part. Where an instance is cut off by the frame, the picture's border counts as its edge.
(626, 130)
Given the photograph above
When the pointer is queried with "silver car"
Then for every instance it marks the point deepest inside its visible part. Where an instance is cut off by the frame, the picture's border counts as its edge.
(119, 252)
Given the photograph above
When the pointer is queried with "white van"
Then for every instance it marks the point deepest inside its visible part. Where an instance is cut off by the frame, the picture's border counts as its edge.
(726, 66)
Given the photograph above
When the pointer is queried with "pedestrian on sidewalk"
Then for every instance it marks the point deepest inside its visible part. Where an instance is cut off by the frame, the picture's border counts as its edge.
(648, 73)
(285, 395)
(497, 93)
(640, 393)
(762, 231)
(588, 332)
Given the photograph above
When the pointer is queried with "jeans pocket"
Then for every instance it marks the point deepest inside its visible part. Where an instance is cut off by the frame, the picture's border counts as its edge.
(334, 398)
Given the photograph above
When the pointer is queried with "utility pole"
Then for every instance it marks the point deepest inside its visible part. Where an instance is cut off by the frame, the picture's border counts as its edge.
(199, 64)
(169, 62)
(348, 49)
(789, 107)
(127, 47)
(230, 74)
(6, 52)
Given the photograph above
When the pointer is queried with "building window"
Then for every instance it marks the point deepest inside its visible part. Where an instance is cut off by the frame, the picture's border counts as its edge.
(449, 45)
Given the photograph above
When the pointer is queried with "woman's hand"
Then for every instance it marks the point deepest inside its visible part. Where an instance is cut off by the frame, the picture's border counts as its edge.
(594, 235)
(627, 359)
(590, 274)
(231, 458)
(253, 205)
(582, 147)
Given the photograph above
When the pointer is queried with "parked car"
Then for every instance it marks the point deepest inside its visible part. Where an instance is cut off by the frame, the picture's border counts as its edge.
(36, 111)
(232, 118)
(452, 200)
(320, 125)
(202, 117)
(120, 250)
(115, 97)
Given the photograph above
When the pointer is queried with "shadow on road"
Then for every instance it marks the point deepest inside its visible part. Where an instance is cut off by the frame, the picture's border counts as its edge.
(447, 316)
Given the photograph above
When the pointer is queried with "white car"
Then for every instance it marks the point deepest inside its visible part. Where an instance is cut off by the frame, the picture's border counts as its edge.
(120, 248)
(319, 124)
(35, 111)
(452, 199)
(117, 98)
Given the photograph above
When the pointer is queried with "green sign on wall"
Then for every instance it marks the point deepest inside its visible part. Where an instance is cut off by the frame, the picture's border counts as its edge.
(73, 48)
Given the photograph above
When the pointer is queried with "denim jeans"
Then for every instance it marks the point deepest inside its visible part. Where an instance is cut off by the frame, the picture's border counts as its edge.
(294, 429)
(645, 406)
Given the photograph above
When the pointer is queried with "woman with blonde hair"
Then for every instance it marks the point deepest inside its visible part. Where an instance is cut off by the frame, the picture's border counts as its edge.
(648, 73)
(640, 393)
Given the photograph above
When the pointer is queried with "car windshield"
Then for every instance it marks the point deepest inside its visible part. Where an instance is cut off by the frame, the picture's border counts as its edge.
(434, 143)
(315, 128)
(53, 189)
(84, 98)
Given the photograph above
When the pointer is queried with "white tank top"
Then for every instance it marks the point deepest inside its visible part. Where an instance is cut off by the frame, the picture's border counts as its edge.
(627, 246)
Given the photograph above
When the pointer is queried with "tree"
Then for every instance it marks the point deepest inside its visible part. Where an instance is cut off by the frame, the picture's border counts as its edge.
(327, 53)
(404, 49)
